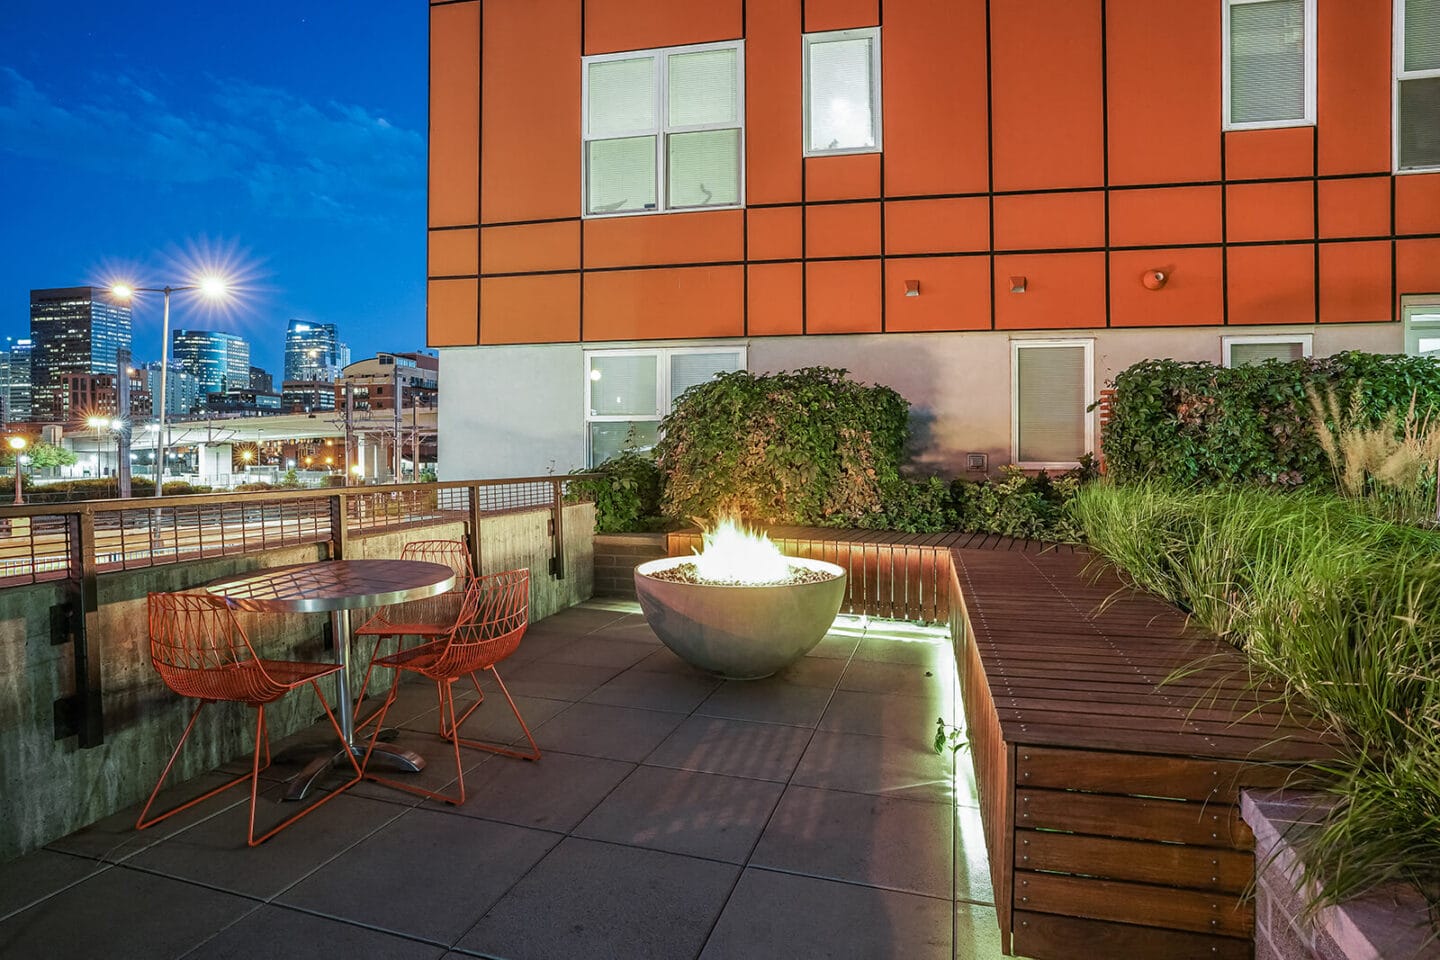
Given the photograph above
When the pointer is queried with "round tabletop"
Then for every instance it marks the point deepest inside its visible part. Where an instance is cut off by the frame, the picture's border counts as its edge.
(334, 585)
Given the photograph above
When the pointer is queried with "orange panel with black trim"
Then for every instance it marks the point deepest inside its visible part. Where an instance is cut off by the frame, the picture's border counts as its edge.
(455, 114)
(541, 309)
(529, 247)
(451, 313)
(839, 14)
(1417, 203)
(1272, 284)
(776, 297)
(1165, 215)
(1270, 211)
(936, 136)
(530, 143)
(956, 225)
(1355, 207)
(954, 294)
(660, 304)
(1193, 293)
(842, 230)
(1046, 94)
(1266, 154)
(1164, 90)
(775, 233)
(454, 253)
(1050, 221)
(1063, 291)
(852, 177)
(1353, 60)
(773, 102)
(713, 236)
(1417, 267)
(1355, 282)
(842, 296)
(615, 25)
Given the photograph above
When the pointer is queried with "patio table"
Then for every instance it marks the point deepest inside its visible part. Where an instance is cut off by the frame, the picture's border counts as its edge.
(336, 587)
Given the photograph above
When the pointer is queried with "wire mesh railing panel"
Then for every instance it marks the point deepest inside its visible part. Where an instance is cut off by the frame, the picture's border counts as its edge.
(34, 549)
(370, 510)
(503, 497)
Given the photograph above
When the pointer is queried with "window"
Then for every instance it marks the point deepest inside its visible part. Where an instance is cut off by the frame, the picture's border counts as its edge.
(1269, 63)
(629, 391)
(842, 92)
(1053, 385)
(1422, 325)
(664, 129)
(1248, 351)
(1417, 84)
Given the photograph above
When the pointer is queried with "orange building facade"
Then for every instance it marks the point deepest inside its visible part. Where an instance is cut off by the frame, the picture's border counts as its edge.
(1067, 173)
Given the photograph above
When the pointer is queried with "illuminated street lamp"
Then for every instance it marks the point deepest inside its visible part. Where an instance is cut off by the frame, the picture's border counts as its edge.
(211, 286)
(17, 444)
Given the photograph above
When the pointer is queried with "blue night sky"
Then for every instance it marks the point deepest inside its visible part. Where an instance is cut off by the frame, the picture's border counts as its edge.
(282, 139)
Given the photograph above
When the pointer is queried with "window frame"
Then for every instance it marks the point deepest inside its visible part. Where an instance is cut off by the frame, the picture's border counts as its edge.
(663, 403)
(877, 118)
(1310, 72)
(1306, 341)
(1399, 75)
(1413, 301)
(662, 129)
(1088, 414)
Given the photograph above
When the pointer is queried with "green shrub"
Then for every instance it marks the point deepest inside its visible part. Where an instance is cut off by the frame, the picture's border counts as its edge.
(1198, 423)
(915, 506)
(626, 494)
(803, 447)
(105, 488)
(1345, 608)
(1016, 505)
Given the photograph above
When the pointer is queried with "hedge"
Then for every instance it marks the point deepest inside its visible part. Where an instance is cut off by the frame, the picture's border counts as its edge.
(1196, 423)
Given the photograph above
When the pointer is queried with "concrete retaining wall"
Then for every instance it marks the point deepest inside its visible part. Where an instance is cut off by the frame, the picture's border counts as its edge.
(50, 787)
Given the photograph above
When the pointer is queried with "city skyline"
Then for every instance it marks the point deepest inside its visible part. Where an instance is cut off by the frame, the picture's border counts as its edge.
(254, 139)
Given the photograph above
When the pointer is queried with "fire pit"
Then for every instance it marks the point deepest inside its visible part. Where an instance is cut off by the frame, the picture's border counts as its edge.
(740, 608)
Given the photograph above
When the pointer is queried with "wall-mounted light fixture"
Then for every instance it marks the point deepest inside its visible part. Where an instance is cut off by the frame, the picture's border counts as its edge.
(1154, 279)
(1017, 284)
(912, 288)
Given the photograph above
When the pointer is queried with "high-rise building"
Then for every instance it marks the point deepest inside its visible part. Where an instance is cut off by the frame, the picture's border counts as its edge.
(261, 380)
(372, 383)
(15, 380)
(182, 389)
(74, 330)
(313, 353)
(86, 395)
(219, 361)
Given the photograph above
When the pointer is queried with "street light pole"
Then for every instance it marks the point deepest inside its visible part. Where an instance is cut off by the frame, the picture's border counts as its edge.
(17, 445)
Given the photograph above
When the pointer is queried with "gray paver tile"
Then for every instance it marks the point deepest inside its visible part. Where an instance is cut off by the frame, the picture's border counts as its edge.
(904, 679)
(554, 681)
(767, 701)
(553, 793)
(972, 862)
(881, 765)
(737, 748)
(279, 934)
(977, 933)
(38, 875)
(779, 915)
(675, 692)
(594, 651)
(885, 715)
(428, 875)
(601, 730)
(115, 838)
(681, 811)
(862, 838)
(588, 899)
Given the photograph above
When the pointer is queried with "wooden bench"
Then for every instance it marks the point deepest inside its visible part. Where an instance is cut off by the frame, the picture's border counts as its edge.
(1111, 740)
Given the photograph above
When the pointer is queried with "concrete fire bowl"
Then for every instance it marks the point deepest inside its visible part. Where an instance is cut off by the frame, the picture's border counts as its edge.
(740, 632)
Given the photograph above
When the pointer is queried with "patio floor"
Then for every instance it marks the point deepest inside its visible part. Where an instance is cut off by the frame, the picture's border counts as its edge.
(672, 816)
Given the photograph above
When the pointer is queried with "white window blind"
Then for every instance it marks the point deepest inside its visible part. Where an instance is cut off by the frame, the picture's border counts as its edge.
(1422, 327)
(842, 92)
(624, 385)
(663, 129)
(689, 369)
(1051, 387)
(1418, 85)
(1268, 72)
(1249, 354)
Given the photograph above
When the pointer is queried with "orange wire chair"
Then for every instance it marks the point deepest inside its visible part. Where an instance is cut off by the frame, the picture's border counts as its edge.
(428, 619)
(201, 651)
(492, 621)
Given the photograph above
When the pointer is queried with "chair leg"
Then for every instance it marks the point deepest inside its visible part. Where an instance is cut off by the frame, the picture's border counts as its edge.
(365, 683)
(261, 734)
(534, 753)
(447, 705)
(141, 823)
(479, 702)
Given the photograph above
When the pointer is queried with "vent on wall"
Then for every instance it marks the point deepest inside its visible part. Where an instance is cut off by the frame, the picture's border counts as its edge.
(977, 461)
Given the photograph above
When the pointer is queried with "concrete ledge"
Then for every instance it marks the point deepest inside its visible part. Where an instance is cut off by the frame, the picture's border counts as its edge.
(1391, 924)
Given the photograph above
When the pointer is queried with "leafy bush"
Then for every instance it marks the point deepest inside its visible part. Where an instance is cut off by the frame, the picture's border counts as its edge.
(626, 494)
(1345, 607)
(1198, 423)
(1029, 507)
(803, 447)
(105, 488)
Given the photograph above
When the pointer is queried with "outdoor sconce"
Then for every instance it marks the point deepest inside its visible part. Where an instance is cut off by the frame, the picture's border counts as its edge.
(1154, 279)
(912, 288)
(1017, 284)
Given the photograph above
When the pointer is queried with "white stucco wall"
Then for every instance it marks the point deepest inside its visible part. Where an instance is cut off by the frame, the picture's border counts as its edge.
(518, 411)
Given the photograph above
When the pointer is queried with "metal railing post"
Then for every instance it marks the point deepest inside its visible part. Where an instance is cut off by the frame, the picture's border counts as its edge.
(339, 526)
(82, 713)
(473, 522)
(557, 528)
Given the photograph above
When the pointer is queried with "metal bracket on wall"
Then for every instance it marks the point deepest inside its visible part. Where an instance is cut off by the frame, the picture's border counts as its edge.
(82, 713)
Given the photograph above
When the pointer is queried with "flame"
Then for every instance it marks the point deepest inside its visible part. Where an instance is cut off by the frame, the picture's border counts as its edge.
(732, 553)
